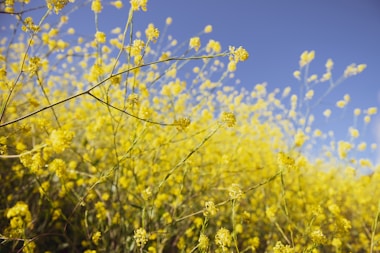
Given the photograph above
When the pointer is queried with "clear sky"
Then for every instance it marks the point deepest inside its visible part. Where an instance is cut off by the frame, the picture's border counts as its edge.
(276, 33)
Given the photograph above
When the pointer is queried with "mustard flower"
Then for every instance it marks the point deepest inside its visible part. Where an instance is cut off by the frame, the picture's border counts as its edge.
(168, 21)
(231, 66)
(141, 237)
(213, 46)
(354, 132)
(309, 95)
(96, 6)
(326, 76)
(327, 113)
(306, 57)
(96, 237)
(235, 191)
(229, 119)
(208, 29)
(371, 110)
(281, 248)
(118, 4)
(34, 65)
(285, 161)
(297, 74)
(195, 43)
(203, 242)
(59, 140)
(137, 4)
(239, 54)
(223, 238)
(312, 78)
(343, 148)
(182, 123)
(341, 103)
(329, 65)
(152, 33)
(100, 37)
(210, 209)
(57, 5)
(318, 237)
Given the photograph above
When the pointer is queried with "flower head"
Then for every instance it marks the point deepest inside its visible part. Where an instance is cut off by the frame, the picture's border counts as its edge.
(195, 43)
(137, 4)
(152, 33)
(141, 237)
(223, 238)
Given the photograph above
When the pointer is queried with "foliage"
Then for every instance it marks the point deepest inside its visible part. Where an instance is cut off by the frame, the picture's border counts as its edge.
(129, 143)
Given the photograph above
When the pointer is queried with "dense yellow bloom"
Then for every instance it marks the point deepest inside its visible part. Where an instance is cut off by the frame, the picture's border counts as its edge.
(281, 248)
(152, 33)
(235, 191)
(210, 209)
(96, 6)
(195, 43)
(203, 242)
(223, 238)
(229, 119)
(141, 237)
(96, 237)
(239, 54)
(100, 37)
(213, 46)
(182, 123)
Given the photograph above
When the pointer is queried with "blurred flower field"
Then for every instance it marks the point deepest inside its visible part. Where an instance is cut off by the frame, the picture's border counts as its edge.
(131, 141)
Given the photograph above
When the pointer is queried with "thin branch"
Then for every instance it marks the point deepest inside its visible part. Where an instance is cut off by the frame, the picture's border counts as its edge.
(105, 80)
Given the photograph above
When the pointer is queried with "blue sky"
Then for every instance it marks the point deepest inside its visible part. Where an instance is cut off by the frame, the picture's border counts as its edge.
(276, 33)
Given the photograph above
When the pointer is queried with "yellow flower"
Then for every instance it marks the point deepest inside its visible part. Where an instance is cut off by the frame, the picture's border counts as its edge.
(306, 58)
(223, 238)
(152, 33)
(371, 110)
(96, 237)
(341, 103)
(210, 209)
(327, 113)
(203, 242)
(229, 119)
(213, 46)
(141, 237)
(100, 37)
(137, 4)
(118, 4)
(297, 74)
(168, 21)
(329, 65)
(239, 54)
(96, 6)
(56, 4)
(309, 95)
(195, 43)
(208, 29)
